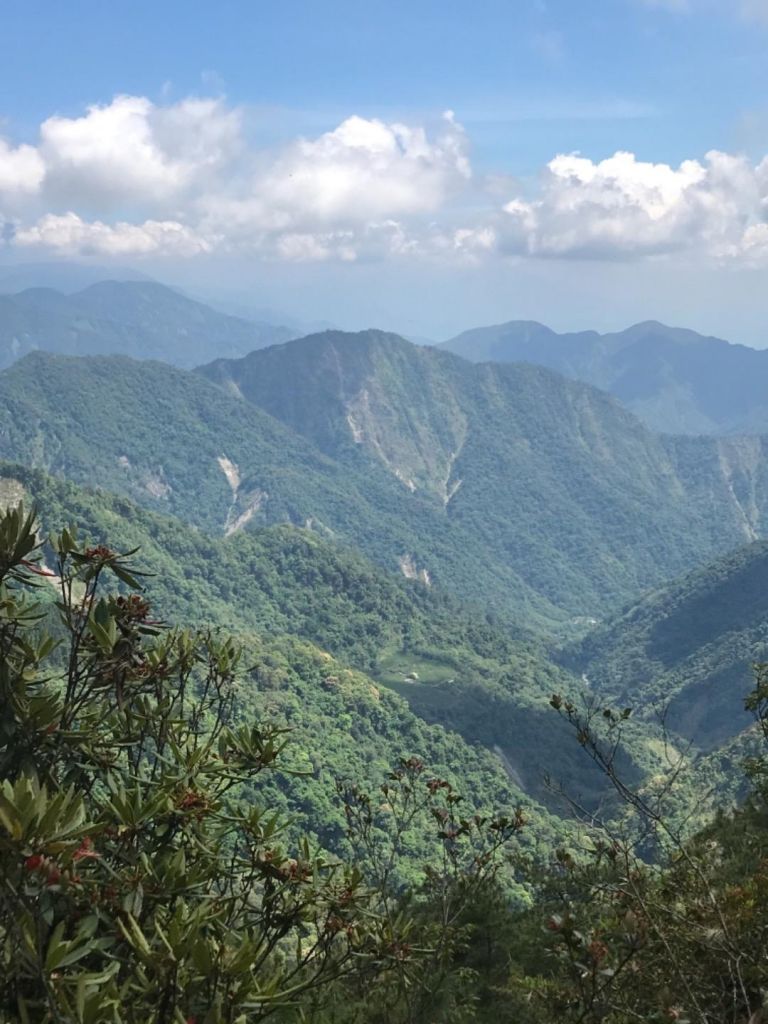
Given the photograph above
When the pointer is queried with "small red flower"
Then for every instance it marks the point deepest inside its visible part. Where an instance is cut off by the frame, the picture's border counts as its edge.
(35, 862)
(100, 553)
(85, 850)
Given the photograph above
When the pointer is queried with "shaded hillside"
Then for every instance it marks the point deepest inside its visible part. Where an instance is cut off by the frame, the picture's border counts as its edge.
(554, 477)
(142, 319)
(675, 380)
(689, 646)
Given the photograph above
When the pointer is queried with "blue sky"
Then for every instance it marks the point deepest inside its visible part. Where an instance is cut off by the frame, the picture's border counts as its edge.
(297, 153)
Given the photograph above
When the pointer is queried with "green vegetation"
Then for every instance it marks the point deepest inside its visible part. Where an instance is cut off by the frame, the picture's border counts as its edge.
(145, 877)
(687, 649)
(537, 497)
(353, 548)
(481, 681)
(313, 620)
(547, 478)
(139, 880)
(223, 465)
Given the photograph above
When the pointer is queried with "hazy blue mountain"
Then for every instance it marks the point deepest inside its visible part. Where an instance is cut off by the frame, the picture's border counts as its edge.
(142, 319)
(552, 477)
(676, 380)
(66, 277)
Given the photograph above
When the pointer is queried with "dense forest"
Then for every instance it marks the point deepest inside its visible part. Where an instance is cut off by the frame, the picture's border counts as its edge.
(149, 873)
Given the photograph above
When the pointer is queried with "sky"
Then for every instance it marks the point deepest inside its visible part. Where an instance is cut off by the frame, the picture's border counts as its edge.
(417, 166)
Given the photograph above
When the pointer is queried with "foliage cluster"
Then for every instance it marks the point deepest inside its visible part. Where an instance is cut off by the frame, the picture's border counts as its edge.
(139, 880)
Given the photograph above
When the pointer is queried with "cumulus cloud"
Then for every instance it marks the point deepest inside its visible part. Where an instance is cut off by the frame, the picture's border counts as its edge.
(181, 177)
(68, 233)
(132, 151)
(626, 207)
(21, 170)
(365, 169)
(362, 171)
(133, 178)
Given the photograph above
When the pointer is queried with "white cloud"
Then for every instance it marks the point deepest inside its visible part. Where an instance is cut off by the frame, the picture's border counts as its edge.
(626, 207)
(187, 164)
(21, 170)
(68, 234)
(133, 178)
(132, 151)
(362, 171)
(366, 169)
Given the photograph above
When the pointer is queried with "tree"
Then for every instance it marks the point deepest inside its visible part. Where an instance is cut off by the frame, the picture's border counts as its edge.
(680, 936)
(136, 886)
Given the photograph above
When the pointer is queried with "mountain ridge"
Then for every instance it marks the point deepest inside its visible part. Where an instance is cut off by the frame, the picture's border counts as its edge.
(141, 318)
(676, 380)
(512, 451)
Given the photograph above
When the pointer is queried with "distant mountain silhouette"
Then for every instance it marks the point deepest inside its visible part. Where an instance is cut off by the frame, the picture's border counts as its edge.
(676, 380)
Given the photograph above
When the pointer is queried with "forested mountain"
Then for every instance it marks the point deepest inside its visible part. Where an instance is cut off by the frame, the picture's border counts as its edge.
(142, 319)
(509, 485)
(553, 477)
(675, 380)
(484, 493)
(337, 647)
(179, 446)
(688, 648)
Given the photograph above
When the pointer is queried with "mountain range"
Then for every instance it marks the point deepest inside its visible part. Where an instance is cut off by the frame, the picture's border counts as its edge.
(509, 485)
(675, 380)
(554, 478)
(464, 537)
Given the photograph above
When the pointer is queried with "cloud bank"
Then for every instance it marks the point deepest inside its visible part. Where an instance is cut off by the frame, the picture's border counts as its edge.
(134, 178)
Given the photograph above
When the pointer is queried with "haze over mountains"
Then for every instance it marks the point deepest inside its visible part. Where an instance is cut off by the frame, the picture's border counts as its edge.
(142, 319)
(675, 380)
